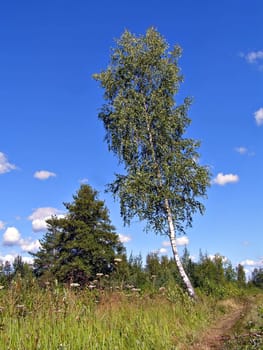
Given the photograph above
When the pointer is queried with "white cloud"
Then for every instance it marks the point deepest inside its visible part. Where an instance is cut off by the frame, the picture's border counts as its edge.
(184, 240)
(29, 246)
(11, 236)
(162, 251)
(40, 215)
(124, 239)
(223, 179)
(11, 258)
(43, 174)
(5, 166)
(241, 150)
(2, 225)
(193, 258)
(7, 257)
(28, 259)
(84, 181)
(39, 224)
(214, 256)
(259, 116)
(250, 262)
(244, 151)
(254, 56)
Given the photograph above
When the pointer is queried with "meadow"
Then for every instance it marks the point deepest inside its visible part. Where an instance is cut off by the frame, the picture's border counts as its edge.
(62, 318)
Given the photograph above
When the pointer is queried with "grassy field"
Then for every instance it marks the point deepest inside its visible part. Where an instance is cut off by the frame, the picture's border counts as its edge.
(64, 319)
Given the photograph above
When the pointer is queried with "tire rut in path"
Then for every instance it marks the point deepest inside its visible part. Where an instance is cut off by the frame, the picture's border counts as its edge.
(213, 338)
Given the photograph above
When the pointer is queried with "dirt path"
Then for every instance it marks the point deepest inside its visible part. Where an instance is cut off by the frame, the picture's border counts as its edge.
(215, 335)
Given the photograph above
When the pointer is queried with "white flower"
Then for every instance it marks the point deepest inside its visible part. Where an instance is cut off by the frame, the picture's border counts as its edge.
(73, 285)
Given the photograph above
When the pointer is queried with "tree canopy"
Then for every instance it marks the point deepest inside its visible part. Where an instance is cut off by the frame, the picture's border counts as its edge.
(145, 128)
(81, 244)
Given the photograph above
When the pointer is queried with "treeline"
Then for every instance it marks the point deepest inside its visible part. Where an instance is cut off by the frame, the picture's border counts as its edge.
(212, 276)
(83, 249)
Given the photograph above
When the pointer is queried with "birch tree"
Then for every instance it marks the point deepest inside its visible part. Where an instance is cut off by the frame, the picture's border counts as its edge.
(163, 181)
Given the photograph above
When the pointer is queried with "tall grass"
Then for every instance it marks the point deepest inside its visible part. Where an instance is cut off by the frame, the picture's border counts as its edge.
(58, 318)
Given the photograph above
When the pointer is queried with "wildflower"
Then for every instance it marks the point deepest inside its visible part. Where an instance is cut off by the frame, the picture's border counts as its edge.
(117, 260)
(99, 274)
(130, 286)
(74, 285)
(91, 286)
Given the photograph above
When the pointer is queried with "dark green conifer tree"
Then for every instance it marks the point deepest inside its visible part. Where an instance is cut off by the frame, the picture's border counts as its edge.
(81, 244)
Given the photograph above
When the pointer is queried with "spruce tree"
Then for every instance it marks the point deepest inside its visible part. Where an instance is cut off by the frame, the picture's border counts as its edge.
(81, 244)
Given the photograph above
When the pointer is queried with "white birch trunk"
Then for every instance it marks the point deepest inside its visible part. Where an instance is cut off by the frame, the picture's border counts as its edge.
(172, 235)
(180, 267)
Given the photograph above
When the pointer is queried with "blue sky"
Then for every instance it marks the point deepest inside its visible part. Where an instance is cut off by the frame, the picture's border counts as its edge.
(51, 138)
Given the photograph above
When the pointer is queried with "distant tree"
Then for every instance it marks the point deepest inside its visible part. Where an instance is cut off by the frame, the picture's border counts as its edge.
(18, 265)
(153, 265)
(162, 271)
(169, 271)
(257, 277)
(121, 274)
(2, 273)
(6, 272)
(81, 244)
(137, 275)
(145, 128)
(21, 268)
(7, 268)
(219, 271)
(209, 274)
(230, 272)
(241, 275)
(188, 264)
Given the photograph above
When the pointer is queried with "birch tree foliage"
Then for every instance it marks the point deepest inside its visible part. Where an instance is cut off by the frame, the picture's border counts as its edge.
(145, 128)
